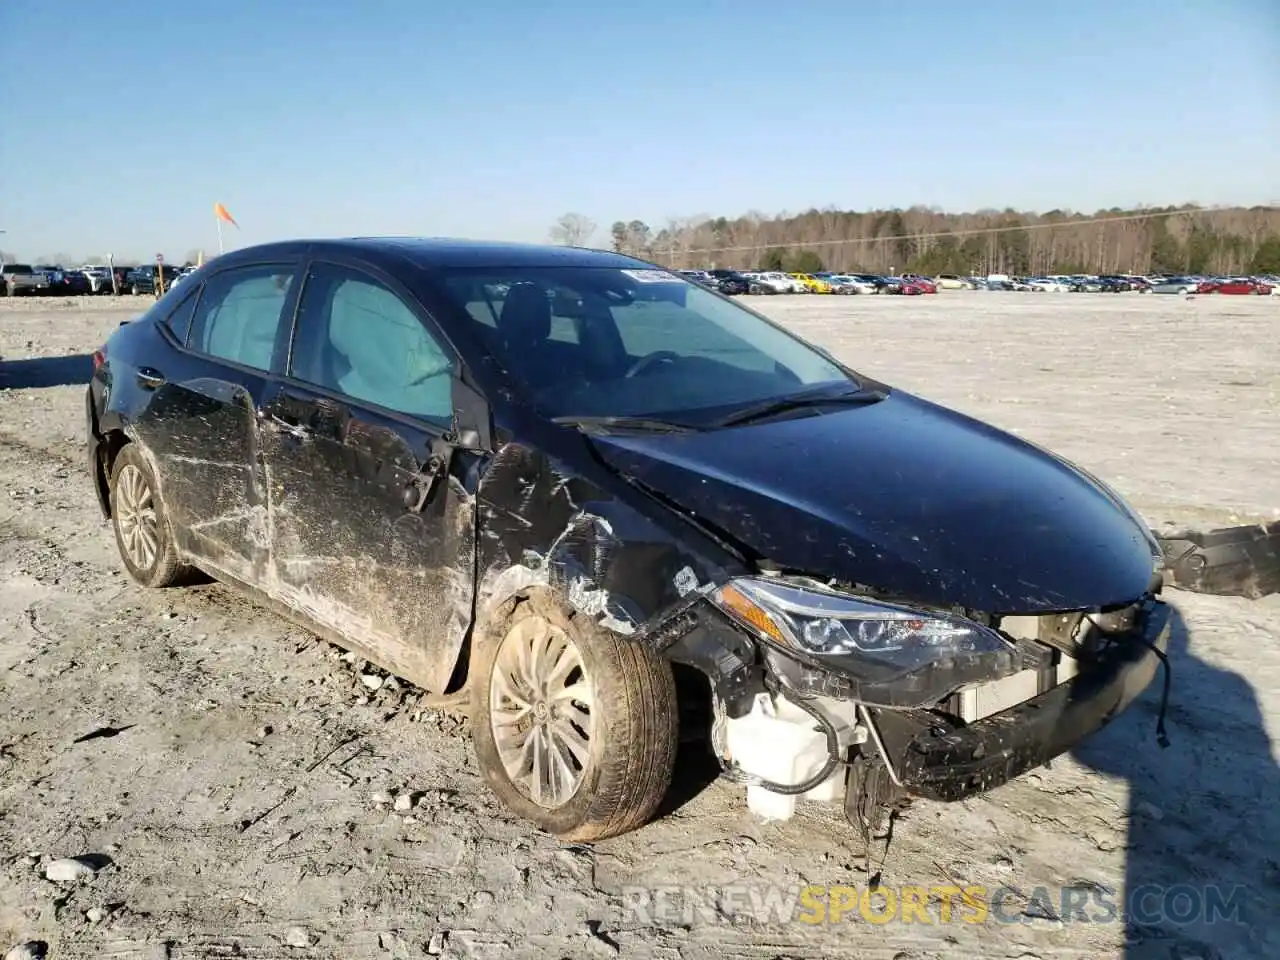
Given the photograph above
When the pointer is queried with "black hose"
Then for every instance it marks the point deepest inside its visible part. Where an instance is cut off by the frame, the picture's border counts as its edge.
(735, 773)
(1162, 736)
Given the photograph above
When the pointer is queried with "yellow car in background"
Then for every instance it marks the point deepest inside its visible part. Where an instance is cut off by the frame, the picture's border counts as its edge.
(812, 284)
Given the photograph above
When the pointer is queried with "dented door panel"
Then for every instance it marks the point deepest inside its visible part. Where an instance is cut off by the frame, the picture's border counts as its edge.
(346, 549)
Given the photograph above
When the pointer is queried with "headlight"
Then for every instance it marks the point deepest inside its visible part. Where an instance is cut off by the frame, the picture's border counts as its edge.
(893, 656)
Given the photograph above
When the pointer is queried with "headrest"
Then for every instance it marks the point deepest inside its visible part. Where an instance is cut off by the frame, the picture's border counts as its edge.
(525, 320)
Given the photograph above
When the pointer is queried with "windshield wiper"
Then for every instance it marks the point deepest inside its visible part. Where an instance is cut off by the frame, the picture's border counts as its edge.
(769, 408)
(611, 424)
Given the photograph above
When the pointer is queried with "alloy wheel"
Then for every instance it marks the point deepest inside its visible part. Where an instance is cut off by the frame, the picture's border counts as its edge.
(541, 706)
(136, 517)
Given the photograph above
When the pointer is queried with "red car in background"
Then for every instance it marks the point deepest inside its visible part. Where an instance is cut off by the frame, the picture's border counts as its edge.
(924, 284)
(1240, 287)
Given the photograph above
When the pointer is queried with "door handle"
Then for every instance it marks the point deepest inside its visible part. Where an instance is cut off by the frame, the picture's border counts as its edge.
(291, 427)
(149, 378)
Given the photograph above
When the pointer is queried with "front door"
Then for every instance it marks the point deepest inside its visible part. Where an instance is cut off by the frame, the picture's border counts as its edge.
(347, 436)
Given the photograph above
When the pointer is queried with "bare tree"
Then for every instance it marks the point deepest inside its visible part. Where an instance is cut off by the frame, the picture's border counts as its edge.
(921, 238)
(58, 259)
(573, 230)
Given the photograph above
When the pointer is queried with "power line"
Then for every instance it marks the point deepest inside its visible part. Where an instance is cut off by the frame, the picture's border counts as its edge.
(974, 231)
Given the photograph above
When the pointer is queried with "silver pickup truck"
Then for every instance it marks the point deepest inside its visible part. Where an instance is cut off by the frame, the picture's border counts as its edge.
(21, 278)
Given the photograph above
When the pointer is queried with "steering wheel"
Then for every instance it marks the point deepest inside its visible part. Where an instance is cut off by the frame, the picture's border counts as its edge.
(649, 359)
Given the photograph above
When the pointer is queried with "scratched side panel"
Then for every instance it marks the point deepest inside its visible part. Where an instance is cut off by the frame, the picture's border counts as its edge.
(202, 436)
(582, 532)
(199, 432)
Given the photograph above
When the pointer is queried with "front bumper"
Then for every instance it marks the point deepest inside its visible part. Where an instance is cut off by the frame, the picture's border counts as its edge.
(951, 764)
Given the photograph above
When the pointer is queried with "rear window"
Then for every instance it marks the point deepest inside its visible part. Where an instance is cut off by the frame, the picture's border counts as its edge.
(17, 268)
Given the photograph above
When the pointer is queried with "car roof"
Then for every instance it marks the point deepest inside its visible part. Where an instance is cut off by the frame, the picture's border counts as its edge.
(442, 252)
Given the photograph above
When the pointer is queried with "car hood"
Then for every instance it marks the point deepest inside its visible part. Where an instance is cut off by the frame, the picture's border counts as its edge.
(906, 497)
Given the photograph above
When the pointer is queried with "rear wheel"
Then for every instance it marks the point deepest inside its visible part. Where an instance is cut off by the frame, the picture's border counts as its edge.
(575, 726)
(142, 529)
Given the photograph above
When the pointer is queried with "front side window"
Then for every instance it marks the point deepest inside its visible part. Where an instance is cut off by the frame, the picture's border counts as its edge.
(604, 341)
(239, 314)
(358, 338)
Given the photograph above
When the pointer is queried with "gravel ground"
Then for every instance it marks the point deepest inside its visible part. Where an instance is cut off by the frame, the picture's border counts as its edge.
(248, 794)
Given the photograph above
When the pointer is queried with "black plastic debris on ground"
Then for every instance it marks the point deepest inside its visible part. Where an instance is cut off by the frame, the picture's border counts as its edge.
(1229, 561)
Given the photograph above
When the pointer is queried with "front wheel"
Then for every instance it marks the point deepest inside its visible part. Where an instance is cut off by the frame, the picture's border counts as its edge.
(575, 727)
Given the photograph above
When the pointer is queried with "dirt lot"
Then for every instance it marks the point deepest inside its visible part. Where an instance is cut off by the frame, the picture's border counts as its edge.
(242, 805)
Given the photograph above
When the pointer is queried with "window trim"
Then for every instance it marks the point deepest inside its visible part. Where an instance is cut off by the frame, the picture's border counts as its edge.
(287, 314)
(415, 306)
(162, 319)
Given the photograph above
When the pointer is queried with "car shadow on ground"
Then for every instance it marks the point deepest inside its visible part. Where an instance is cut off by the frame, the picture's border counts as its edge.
(1202, 868)
(46, 372)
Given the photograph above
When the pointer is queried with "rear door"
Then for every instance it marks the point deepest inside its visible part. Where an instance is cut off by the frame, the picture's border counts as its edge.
(202, 422)
(361, 541)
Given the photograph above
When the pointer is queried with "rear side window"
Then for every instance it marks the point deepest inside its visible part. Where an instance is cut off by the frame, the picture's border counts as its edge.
(179, 319)
(239, 313)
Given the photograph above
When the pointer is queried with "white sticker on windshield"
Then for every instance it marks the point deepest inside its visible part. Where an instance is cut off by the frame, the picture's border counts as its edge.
(652, 276)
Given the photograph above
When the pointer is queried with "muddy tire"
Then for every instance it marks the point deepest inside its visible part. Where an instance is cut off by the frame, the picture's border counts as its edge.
(141, 527)
(575, 727)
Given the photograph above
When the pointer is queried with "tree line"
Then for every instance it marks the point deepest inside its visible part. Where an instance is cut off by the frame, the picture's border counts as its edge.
(1181, 239)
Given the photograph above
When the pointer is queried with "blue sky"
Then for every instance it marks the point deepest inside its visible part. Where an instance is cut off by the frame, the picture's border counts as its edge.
(490, 118)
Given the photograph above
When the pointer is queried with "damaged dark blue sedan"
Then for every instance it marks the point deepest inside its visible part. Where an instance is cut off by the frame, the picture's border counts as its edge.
(589, 502)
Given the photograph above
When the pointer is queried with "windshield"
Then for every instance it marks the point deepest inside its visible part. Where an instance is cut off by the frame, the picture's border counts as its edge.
(610, 342)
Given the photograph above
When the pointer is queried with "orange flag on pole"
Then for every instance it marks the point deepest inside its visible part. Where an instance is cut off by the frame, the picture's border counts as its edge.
(220, 212)
(219, 215)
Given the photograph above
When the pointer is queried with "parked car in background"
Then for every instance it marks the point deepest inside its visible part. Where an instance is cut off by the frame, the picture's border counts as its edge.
(142, 280)
(1241, 286)
(949, 281)
(845, 286)
(730, 282)
(756, 284)
(780, 282)
(181, 275)
(1175, 285)
(860, 284)
(70, 283)
(900, 287)
(811, 283)
(52, 273)
(1048, 284)
(701, 277)
(99, 276)
(22, 279)
(924, 283)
